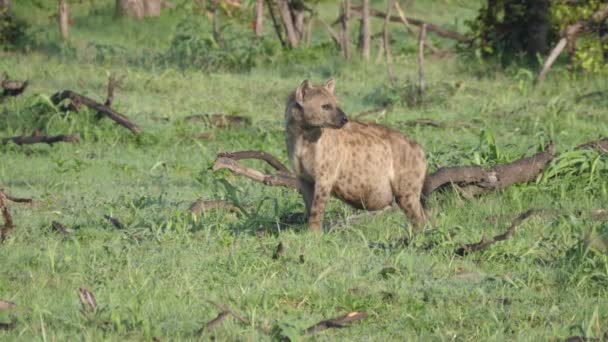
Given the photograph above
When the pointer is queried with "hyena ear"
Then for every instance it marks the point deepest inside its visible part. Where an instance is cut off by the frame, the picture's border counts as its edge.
(330, 85)
(301, 91)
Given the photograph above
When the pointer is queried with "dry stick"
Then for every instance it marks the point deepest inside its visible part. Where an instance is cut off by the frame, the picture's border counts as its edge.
(6, 305)
(364, 32)
(557, 50)
(87, 300)
(275, 23)
(570, 36)
(285, 12)
(485, 242)
(379, 110)
(334, 36)
(440, 31)
(16, 199)
(338, 322)
(267, 157)
(480, 180)
(344, 29)
(230, 311)
(421, 40)
(96, 106)
(386, 44)
(219, 120)
(6, 216)
(46, 139)
(114, 221)
(214, 322)
(60, 228)
(259, 18)
(200, 205)
(424, 122)
(280, 179)
(600, 145)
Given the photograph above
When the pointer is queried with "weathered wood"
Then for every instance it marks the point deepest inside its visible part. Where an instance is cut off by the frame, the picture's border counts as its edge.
(41, 139)
(96, 106)
(338, 322)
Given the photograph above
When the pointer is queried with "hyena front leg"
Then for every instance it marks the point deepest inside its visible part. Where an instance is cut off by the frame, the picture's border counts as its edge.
(307, 189)
(321, 195)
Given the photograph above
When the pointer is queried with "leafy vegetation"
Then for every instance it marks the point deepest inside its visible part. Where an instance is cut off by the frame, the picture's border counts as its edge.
(155, 277)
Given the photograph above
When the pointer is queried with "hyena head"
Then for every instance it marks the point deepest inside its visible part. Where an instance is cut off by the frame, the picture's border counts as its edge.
(318, 105)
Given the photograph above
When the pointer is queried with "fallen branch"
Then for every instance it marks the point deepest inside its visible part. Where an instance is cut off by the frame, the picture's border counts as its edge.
(6, 305)
(339, 322)
(214, 322)
(440, 31)
(6, 216)
(200, 206)
(96, 106)
(219, 120)
(114, 221)
(87, 300)
(60, 228)
(267, 157)
(12, 88)
(42, 139)
(600, 145)
(16, 199)
(480, 180)
(485, 242)
(281, 178)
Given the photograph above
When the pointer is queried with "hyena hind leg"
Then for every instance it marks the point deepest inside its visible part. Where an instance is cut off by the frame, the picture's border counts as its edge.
(412, 207)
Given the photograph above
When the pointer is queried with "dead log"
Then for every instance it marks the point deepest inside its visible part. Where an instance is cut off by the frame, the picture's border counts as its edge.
(7, 218)
(339, 322)
(200, 206)
(281, 178)
(42, 139)
(485, 242)
(12, 87)
(440, 31)
(480, 180)
(96, 106)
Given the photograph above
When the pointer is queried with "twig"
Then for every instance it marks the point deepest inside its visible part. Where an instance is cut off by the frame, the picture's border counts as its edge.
(6, 305)
(267, 157)
(60, 228)
(214, 322)
(227, 309)
(485, 243)
(281, 178)
(279, 252)
(44, 139)
(217, 120)
(339, 322)
(423, 122)
(386, 44)
(275, 23)
(114, 221)
(440, 31)
(87, 300)
(96, 106)
(557, 50)
(6, 216)
(421, 40)
(379, 110)
(200, 205)
(16, 199)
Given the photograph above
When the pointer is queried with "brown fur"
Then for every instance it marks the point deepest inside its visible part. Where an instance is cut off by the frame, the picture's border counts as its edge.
(366, 165)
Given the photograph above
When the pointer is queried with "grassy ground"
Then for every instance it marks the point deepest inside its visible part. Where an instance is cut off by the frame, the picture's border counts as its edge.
(156, 277)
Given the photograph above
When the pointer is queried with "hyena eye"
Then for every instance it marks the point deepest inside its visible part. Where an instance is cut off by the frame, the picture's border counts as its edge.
(326, 106)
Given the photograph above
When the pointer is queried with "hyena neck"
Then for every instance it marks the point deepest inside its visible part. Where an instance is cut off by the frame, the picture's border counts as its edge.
(296, 127)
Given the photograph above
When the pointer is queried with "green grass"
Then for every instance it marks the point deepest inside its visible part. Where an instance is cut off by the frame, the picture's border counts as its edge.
(156, 277)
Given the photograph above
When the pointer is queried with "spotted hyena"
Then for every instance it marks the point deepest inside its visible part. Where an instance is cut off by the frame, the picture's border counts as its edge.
(365, 165)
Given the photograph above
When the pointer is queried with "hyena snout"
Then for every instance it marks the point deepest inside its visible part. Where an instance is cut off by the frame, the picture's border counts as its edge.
(339, 120)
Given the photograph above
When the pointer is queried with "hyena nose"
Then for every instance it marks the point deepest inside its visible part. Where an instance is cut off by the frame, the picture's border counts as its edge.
(343, 120)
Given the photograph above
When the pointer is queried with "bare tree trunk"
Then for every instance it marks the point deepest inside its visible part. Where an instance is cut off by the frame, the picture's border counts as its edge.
(130, 8)
(259, 18)
(421, 39)
(298, 23)
(64, 14)
(5, 8)
(364, 33)
(152, 8)
(292, 35)
(344, 29)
